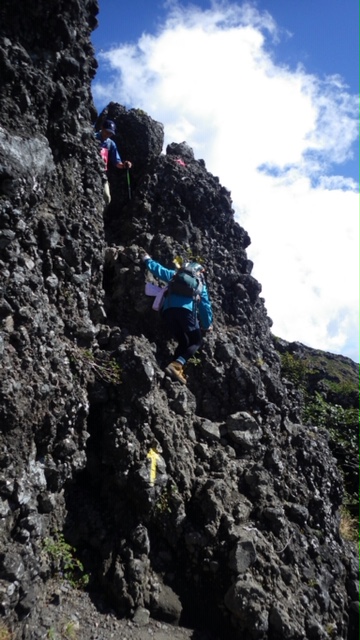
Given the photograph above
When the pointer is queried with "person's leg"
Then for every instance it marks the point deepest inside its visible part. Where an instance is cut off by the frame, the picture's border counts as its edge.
(191, 338)
(174, 321)
(186, 351)
(183, 345)
(185, 329)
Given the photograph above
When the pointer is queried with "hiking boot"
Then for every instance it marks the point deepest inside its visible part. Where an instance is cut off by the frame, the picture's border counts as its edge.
(175, 371)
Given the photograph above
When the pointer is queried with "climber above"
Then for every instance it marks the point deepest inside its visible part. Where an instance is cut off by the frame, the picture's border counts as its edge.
(109, 152)
(186, 310)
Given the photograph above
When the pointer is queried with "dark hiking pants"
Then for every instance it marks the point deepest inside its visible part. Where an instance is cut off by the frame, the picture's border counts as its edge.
(184, 327)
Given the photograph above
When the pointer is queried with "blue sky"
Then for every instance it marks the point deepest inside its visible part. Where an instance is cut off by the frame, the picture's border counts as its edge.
(266, 93)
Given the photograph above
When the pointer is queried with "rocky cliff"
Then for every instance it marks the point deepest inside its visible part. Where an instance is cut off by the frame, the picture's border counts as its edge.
(209, 505)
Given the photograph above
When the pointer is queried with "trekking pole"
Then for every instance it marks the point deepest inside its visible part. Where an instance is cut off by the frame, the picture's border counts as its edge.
(128, 182)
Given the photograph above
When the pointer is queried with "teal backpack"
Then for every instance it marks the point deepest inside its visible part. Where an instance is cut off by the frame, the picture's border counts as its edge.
(187, 281)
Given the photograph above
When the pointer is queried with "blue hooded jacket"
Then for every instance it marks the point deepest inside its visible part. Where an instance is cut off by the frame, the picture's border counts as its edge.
(173, 300)
(110, 145)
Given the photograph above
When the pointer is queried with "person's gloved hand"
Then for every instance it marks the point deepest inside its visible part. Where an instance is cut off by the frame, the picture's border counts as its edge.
(143, 255)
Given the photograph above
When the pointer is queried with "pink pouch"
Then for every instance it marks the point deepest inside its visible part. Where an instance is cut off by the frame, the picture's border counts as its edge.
(158, 302)
(105, 155)
(157, 292)
(151, 289)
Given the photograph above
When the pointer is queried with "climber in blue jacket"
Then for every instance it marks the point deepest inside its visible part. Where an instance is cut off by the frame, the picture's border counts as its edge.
(109, 152)
(185, 315)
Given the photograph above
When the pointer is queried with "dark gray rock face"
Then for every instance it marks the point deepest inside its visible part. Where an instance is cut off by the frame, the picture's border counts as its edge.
(208, 505)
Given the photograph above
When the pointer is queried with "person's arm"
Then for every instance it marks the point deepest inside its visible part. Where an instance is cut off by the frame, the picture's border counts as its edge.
(205, 310)
(116, 159)
(157, 269)
(124, 165)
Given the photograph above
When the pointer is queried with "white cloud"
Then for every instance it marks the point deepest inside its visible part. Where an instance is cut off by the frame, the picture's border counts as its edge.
(271, 134)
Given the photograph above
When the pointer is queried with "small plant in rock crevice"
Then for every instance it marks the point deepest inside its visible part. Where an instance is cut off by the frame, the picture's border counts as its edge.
(295, 369)
(330, 397)
(5, 633)
(107, 370)
(194, 360)
(162, 504)
(349, 526)
(69, 630)
(191, 257)
(330, 629)
(64, 562)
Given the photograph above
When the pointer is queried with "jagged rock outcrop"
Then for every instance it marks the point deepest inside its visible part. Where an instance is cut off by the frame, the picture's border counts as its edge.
(210, 505)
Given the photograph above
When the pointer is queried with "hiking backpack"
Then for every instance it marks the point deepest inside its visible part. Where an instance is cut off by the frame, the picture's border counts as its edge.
(186, 282)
